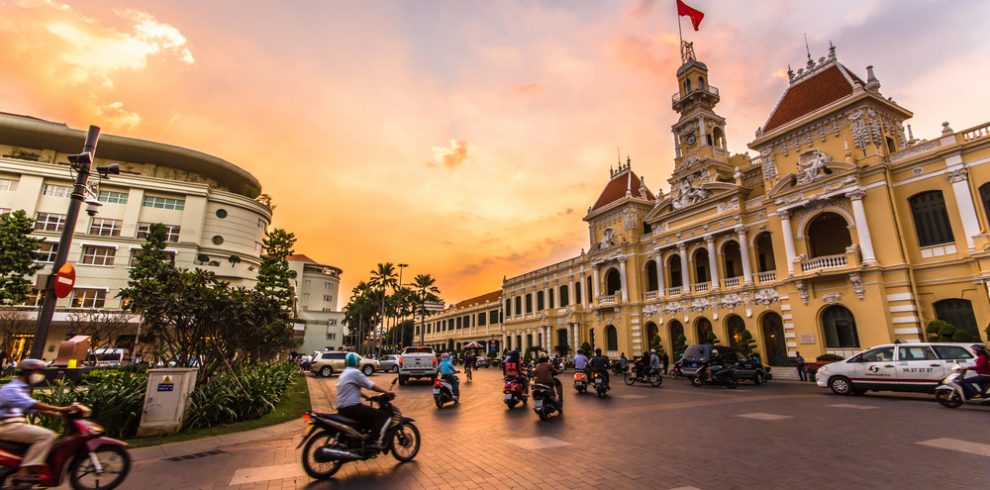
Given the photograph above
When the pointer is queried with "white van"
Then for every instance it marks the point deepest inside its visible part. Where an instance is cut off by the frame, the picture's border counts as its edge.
(916, 366)
(106, 357)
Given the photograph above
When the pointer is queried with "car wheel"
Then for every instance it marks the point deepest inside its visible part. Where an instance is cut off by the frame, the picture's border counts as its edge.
(395, 369)
(326, 371)
(759, 378)
(368, 370)
(840, 385)
(403, 380)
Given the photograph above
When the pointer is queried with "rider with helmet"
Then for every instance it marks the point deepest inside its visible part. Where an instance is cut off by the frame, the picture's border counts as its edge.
(580, 361)
(544, 373)
(349, 396)
(973, 384)
(447, 372)
(15, 402)
(599, 364)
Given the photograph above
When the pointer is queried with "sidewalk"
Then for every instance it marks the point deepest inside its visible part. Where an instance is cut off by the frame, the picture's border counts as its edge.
(319, 394)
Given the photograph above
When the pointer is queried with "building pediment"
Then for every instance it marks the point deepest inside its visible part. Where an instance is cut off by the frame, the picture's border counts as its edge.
(813, 169)
(712, 193)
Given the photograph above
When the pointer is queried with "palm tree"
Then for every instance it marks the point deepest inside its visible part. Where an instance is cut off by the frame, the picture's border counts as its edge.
(384, 277)
(426, 290)
(361, 310)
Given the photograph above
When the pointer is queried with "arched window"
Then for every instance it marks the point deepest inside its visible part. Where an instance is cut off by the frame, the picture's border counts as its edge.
(732, 259)
(931, 221)
(764, 252)
(828, 234)
(577, 292)
(701, 83)
(550, 296)
(959, 312)
(565, 296)
(839, 326)
(687, 86)
(652, 330)
(612, 338)
(718, 138)
(651, 276)
(703, 327)
(985, 197)
(613, 282)
(674, 269)
(735, 326)
(701, 272)
(677, 339)
(589, 290)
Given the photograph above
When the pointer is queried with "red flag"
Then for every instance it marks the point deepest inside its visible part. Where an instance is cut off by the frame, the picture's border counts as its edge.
(695, 15)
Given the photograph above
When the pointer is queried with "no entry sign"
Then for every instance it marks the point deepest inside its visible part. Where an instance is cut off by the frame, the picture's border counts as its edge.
(65, 278)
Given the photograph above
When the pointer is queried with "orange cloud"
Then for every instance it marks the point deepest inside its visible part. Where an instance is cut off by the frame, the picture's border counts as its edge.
(452, 155)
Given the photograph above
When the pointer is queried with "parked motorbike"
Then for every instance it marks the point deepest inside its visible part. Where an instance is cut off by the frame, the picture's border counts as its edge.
(333, 439)
(83, 453)
(654, 378)
(951, 394)
(443, 392)
(513, 393)
(600, 387)
(581, 381)
(725, 376)
(546, 402)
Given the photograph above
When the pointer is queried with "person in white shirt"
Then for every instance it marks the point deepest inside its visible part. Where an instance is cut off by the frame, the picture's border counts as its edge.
(349, 395)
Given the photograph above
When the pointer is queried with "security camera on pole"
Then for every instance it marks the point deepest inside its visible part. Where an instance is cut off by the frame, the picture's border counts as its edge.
(81, 164)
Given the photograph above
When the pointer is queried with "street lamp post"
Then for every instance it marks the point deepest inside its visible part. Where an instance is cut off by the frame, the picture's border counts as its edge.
(81, 163)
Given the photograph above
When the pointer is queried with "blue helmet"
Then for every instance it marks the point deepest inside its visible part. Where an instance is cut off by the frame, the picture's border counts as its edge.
(352, 360)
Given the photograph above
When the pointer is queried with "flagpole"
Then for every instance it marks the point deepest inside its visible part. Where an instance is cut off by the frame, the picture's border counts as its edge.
(680, 36)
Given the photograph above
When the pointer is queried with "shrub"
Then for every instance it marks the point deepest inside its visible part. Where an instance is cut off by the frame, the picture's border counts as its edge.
(116, 397)
(233, 397)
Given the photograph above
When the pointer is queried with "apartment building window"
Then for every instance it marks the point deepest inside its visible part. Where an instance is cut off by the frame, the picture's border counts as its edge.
(49, 222)
(34, 298)
(467, 321)
(508, 306)
(261, 224)
(171, 232)
(164, 203)
(88, 298)
(8, 185)
(931, 220)
(46, 252)
(136, 254)
(96, 255)
(112, 197)
(984, 196)
(105, 227)
(518, 310)
(565, 296)
(331, 335)
(56, 190)
(327, 285)
(306, 283)
(327, 298)
(481, 319)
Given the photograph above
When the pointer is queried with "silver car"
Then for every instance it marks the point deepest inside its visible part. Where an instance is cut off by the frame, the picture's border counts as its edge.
(390, 364)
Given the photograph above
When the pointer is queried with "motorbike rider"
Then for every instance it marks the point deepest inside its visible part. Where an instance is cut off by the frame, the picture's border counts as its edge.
(623, 362)
(974, 384)
(643, 365)
(581, 362)
(349, 399)
(447, 372)
(469, 362)
(654, 362)
(544, 373)
(599, 364)
(512, 369)
(15, 402)
(714, 364)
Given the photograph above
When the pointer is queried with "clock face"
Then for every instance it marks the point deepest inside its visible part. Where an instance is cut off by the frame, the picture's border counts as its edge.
(691, 140)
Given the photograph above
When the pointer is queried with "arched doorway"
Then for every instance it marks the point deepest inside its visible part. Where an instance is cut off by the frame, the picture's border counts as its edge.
(959, 312)
(613, 282)
(701, 272)
(735, 326)
(652, 330)
(677, 339)
(611, 338)
(732, 259)
(764, 252)
(651, 276)
(675, 278)
(828, 234)
(703, 327)
(773, 340)
(839, 327)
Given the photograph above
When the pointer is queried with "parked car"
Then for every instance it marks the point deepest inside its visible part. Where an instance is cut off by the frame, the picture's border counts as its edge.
(329, 363)
(916, 367)
(417, 362)
(389, 364)
(107, 357)
(483, 362)
(746, 368)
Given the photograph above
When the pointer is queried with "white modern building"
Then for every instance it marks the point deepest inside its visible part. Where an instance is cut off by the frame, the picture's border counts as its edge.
(317, 286)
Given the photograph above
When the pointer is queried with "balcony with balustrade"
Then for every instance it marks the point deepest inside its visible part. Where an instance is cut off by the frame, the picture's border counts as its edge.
(649, 295)
(702, 91)
(732, 282)
(701, 287)
(675, 291)
(766, 277)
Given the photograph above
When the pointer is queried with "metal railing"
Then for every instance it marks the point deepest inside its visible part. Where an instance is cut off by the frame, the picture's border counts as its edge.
(768, 276)
(677, 97)
(824, 262)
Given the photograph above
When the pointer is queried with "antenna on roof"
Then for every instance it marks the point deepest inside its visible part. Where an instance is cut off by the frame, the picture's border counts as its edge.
(807, 49)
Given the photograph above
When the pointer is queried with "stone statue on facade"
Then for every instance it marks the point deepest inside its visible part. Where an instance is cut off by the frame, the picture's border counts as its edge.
(811, 166)
(688, 194)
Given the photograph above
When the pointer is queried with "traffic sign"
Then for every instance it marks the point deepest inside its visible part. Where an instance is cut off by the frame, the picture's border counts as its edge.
(64, 280)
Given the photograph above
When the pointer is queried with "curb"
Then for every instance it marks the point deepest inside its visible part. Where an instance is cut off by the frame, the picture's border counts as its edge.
(185, 448)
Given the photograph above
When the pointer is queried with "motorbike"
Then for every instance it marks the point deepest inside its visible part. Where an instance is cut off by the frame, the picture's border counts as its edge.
(618, 367)
(581, 381)
(545, 402)
(332, 439)
(600, 387)
(725, 376)
(83, 453)
(950, 393)
(443, 392)
(654, 378)
(513, 393)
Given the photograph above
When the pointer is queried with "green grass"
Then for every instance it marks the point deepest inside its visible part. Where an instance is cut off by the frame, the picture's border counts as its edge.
(295, 403)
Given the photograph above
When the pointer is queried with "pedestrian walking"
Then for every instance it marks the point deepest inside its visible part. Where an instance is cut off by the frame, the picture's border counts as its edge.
(801, 367)
(665, 359)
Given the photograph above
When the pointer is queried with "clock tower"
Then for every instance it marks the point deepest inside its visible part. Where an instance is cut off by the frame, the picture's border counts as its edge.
(699, 134)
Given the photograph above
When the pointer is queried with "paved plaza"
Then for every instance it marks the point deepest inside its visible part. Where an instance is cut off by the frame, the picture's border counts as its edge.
(781, 435)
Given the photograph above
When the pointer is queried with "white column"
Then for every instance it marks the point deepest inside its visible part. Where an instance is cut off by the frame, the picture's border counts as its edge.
(546, 298)
(785, 225)
(712, 262)
(685, 277)
(660, 284)
(570, 293)
(625, 283)
(862, 227)
(594, 284)
(744, 251)
(549, 338)
(964, 201)
(570, 338)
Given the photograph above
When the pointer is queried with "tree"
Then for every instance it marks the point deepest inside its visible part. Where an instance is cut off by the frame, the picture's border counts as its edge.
(102, 327)
(18, 251)
(426, 291)
(711, 338)
(656, 344)
(383, 277)
(747, 344)
(362, 311)
(274, 275)
(586, 347)
(680, 343)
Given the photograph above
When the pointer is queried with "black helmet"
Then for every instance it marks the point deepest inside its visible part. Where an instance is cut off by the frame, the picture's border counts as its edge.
(598, 351)
(580, 351)
(979, 348)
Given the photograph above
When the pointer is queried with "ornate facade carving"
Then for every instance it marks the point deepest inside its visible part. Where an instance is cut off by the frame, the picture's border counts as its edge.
(857, 285)
(690, 161)
(802, 288)
(700, 304)
(865, 127)
(608, 238)
(811, 166)
(731, 205)
(730, 301)
(673, 308)
(630, 219)
(958, 175)
(766, 296)
(831, 299)
(688, 194)
(649, 310)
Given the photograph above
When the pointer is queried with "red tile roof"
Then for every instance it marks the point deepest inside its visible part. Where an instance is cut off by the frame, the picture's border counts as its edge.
(477, 300)
(301, 258)
(617, 187)
(810, 94)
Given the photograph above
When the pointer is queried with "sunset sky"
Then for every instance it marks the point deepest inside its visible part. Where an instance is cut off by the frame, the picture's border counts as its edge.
(466, 138)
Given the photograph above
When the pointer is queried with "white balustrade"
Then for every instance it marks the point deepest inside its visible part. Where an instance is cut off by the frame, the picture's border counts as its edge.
(606, 299)
(824, 262)
(674, 291)
(768, 276)
(733, 281)
(651, 295)
(977, 132)
(702, 287)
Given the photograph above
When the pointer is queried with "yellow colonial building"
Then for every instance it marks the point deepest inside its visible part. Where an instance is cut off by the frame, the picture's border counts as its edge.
(844, 231)
(477, 319)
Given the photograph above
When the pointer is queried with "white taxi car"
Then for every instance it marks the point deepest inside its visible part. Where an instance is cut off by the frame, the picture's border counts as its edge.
(914, 367)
